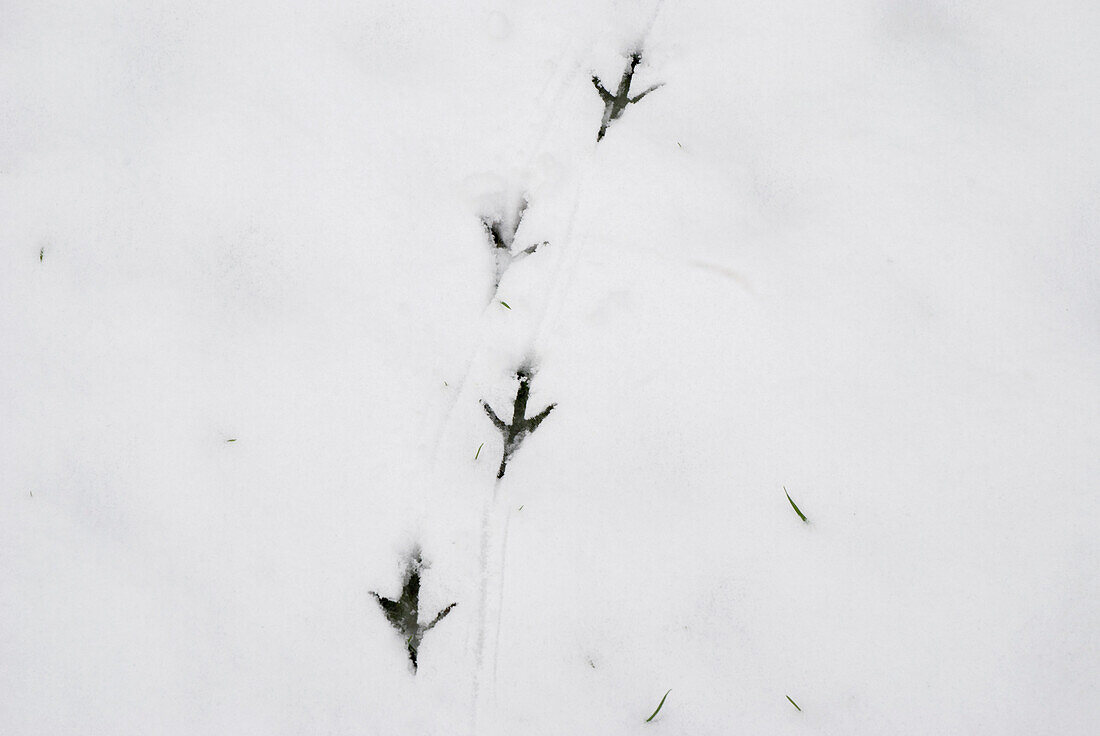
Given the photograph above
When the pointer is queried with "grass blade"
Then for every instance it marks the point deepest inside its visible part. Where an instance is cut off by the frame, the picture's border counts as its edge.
(478, 450)
(797, 511)
(794, 704)
(658, 707)
(505, 305)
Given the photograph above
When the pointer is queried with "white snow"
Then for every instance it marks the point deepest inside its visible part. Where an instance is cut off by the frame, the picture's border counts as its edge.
(849, 248)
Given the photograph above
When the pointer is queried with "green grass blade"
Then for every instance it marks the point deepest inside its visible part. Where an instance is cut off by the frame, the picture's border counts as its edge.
(796, 509)
(478, 450)
(794, 704)
(658, 707)
(505, 305)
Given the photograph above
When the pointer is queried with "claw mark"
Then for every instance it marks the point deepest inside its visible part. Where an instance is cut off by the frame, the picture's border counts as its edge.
(615, 104)
(404, 614)
(521, 425)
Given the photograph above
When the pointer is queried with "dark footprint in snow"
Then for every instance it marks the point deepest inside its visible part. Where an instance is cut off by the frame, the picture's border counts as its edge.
(615, 104)
(404, 613)
(501, 230)
(521, 425)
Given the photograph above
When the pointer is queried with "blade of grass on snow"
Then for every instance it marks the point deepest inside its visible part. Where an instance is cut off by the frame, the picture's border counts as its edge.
(794, 505)
(658, 706)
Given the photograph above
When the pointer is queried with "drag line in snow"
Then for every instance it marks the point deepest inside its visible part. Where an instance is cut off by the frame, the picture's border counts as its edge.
(567, 263)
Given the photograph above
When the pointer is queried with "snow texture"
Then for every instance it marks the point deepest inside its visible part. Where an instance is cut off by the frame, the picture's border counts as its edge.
(847, 248)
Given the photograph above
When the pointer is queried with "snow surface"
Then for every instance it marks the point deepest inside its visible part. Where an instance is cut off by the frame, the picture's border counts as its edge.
(849, 248)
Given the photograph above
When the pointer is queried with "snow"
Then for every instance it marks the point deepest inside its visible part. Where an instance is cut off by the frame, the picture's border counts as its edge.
(848, 249)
